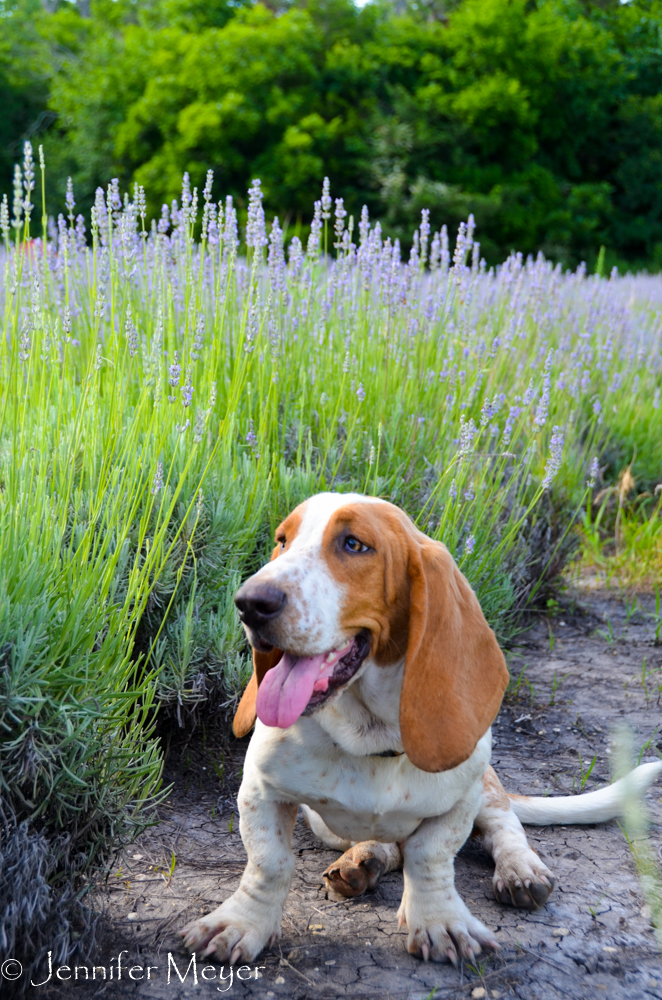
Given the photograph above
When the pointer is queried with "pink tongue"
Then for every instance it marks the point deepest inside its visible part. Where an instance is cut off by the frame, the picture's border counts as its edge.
(287, 688)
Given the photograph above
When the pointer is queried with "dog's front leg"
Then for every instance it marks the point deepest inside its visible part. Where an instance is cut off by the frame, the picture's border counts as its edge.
(439, 924)
(250, 919)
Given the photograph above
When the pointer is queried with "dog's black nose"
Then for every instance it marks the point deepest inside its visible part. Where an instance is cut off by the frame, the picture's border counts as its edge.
(258, 603)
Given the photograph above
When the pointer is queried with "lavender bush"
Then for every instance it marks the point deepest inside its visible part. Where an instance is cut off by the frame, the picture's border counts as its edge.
(479, 400)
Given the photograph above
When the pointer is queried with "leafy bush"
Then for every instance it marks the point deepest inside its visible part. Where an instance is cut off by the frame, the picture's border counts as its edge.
(543, 119)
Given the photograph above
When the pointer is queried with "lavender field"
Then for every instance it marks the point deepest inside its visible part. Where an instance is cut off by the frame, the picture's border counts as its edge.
(172, 387)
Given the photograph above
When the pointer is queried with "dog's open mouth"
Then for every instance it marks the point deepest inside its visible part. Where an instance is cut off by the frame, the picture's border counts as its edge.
(299, 684)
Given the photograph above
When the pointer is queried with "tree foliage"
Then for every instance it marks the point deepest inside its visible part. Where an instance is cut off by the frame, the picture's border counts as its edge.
(542, 117)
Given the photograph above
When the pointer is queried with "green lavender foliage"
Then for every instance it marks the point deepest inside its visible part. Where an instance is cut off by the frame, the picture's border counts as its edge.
(157, 357)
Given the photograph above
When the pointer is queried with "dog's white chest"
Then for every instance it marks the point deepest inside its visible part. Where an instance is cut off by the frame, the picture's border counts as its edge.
(359, 798)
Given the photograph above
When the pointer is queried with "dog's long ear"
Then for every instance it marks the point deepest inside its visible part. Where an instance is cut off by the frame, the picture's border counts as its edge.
(455, 674)
(244, 717)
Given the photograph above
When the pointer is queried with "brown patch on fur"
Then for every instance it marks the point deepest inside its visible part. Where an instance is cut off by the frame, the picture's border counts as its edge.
(493, 791)
(379, 601)
(288, 529)
(412, 597)
(244, 717)
(362, 866)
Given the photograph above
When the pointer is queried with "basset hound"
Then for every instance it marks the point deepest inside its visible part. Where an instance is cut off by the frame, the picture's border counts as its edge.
(376, 681)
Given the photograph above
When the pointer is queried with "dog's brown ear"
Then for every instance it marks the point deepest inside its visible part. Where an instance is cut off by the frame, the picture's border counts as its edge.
(244, 717)
(455, 674)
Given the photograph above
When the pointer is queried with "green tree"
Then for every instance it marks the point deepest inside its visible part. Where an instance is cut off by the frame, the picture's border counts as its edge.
(542, 117)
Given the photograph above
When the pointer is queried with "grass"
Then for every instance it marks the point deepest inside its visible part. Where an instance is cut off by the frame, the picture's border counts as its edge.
(169, 393)
(622, 537)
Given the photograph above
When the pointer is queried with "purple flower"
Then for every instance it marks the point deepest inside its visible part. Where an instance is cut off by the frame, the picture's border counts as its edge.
(529, 394)
(469, 545)
(364, 225)
(256, 230)
(543, 406)
(555, 457)
(326, 202)
(28, 169)
(360, 392)
(69, 197)
(187, 388)
(206, 194)
(424, 230)
(164, 221)
(435, 253)
(114, 199)
(231, 231)
(17, 203)
(175, 372)
(276, 257)
(81, 242)
(445, 253)
(131, 333)
(157, 484)
(313, 246)
(340, 221)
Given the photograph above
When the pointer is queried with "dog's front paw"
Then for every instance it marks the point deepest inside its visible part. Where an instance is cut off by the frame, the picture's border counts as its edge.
(522, 879)
(237, 929)
(440, 927)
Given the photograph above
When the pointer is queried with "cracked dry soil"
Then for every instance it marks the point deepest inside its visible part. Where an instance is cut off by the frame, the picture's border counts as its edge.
(570, 698)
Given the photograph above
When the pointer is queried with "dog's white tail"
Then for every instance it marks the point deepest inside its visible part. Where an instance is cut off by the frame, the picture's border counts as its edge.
(594, 807)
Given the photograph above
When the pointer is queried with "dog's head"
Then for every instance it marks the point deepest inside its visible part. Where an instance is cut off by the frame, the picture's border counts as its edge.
(352, 577)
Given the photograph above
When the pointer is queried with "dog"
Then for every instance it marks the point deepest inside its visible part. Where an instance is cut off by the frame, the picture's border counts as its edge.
(376, 681)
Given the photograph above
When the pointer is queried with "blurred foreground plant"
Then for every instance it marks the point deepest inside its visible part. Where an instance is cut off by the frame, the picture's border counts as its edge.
(636, 829)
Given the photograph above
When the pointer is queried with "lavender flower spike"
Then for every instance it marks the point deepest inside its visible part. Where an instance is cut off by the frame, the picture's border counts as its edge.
(175, 371)
(256, 230)
(69, 197)
(326, 201)
(543, 406)
(18, 197)
(187, 388)
(157, 484)
(555, 457)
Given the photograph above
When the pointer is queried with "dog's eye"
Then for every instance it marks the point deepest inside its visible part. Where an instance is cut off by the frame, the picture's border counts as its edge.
(354, 545)
(282, 542)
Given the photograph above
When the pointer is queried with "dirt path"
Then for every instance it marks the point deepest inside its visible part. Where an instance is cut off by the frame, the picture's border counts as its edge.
(593, 939)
